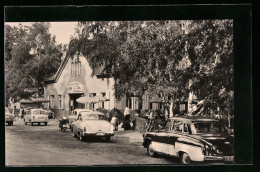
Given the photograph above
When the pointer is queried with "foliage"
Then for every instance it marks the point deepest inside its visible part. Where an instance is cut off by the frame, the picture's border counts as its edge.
(30, 56)
(166, 58)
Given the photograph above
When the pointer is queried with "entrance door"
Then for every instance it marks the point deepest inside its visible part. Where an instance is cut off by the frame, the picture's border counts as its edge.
(73, 103)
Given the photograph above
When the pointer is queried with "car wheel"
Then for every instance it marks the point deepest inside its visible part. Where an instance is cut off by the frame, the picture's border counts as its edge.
(150, 150)
(39, 123)
(185, 158)
(8, 123)
(81, 138)
(45, 123)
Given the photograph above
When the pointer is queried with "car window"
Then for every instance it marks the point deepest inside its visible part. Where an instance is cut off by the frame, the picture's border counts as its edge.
(79, 117)
(207, 127)
(178, 126)
(38, 112)
(94, 117)
(168, 125)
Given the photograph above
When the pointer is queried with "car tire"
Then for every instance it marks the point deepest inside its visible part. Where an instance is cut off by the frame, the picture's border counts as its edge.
(107, 138)
(8, 123)
(81, 138)
(185, 158)
(39, 123)
(45, 123)
(150, 150)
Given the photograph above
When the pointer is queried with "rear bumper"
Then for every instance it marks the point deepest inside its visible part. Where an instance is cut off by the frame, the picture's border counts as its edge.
(219, 158)
(9, 120)
(99, 135)
(40, 121)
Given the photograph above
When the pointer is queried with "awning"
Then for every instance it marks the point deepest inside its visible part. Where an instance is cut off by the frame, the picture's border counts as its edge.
(95, 99)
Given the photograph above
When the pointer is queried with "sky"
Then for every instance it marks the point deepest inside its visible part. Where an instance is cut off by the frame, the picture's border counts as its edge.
(62, 30)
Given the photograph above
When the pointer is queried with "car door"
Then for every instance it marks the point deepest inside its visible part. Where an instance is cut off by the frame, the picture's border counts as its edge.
(76, 124)
(175, 133)
(159, 139)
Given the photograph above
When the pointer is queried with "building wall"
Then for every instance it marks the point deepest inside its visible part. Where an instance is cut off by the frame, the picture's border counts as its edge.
(90, 85)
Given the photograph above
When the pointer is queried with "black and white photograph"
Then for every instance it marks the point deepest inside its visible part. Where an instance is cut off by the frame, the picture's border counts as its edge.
(119, 92)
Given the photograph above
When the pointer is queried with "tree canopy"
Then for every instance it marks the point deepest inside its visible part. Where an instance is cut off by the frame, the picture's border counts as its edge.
(31, 55)
(169, 58)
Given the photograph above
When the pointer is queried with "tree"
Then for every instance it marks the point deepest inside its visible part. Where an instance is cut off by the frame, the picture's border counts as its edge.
(31, 55)
(163, 58)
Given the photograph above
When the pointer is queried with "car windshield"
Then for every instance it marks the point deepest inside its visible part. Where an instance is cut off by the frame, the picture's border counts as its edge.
(38, 112)
(93, 117)
(207, 127)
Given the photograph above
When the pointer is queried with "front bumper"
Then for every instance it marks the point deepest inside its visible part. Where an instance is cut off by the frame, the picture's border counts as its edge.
(219, 158)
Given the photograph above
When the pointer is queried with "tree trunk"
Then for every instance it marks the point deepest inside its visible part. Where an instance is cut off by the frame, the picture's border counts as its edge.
(171, 109)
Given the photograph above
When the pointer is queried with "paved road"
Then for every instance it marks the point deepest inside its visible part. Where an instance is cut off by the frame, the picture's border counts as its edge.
(46, 145)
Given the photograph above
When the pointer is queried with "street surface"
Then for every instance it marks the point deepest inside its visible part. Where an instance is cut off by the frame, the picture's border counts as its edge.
(45, 145)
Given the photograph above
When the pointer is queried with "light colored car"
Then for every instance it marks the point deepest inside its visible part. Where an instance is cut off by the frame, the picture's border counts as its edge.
(36, 116)
(93, 124)
(9, 118)
(192, 139)
(74, 115)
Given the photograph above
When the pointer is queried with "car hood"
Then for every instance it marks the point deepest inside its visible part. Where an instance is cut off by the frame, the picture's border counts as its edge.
(223, 142)
(96, 125)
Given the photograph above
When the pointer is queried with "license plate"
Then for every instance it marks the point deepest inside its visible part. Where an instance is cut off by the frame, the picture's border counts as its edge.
(229, 158)
(100, 134)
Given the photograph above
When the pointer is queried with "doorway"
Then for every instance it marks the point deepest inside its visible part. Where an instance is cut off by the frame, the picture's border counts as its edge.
(72, 101)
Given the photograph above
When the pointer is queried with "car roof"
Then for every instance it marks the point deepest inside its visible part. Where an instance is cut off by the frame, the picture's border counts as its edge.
(194, 119)
(93, 112)
(37, 109)
(85, 110)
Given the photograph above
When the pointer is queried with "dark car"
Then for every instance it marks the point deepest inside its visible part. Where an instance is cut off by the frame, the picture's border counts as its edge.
(192, 139)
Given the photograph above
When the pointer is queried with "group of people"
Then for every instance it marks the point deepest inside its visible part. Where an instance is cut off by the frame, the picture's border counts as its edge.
(115, 121)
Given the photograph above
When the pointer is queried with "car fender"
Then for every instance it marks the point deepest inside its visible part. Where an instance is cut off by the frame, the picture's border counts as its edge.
(191, 147)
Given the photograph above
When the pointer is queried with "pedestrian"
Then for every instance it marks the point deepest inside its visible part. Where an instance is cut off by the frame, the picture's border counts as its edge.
(114, 121)
(127, 113)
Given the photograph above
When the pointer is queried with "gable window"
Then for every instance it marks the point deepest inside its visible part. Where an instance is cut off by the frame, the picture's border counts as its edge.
(75, 67)
(52, 101)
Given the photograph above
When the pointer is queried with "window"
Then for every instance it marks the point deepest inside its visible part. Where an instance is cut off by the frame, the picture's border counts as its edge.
(103, 102)
(52, 101)
(151, 105)
(60, 102)
(75, 67)
(129, 103)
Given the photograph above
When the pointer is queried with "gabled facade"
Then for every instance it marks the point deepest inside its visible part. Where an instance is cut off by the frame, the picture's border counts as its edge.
(72, 81)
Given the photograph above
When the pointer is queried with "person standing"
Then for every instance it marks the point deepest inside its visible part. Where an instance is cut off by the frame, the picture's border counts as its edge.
(127, 113)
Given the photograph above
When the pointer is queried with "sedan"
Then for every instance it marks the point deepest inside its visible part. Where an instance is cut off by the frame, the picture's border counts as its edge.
(92, 124)
(36, 116)
(9, 118)
(191, 139)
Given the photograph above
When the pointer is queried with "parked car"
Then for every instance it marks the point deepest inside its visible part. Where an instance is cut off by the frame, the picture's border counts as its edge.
(9, 118)
(36, 116)
(74, 115)
(192, 139)
(93, 124)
